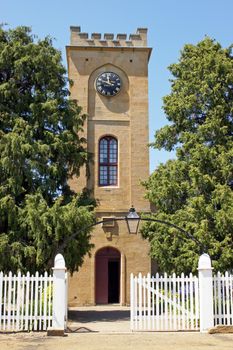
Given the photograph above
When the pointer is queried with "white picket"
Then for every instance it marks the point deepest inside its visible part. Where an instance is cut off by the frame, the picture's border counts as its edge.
(231, 298)
(136, 302)
(50, 302)
(170, 304)
(144, 301)
(227, 297)
(153, 304)
(174, 300)
(182, 301)
(215, 305)
(27, 300)
(161, 299)
(18, 299)
(223, 298)
(187, 306)
(4, 302)
(157, 302)
(9, 278)
(178, 302)
(140, 300)
(165, 321)
(40, 301)
(35, 325)
(148, 283)
(1, 290)
(45, 301)
(66, 299)
(196, 298)
(219, 298)
(13, 302)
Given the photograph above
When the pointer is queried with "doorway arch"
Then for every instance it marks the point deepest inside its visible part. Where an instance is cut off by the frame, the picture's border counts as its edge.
(107, 276)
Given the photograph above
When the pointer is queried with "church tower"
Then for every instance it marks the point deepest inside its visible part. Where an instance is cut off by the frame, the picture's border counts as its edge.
(110, 82)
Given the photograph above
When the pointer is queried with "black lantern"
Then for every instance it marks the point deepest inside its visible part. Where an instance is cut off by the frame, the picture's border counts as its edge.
(132, 220)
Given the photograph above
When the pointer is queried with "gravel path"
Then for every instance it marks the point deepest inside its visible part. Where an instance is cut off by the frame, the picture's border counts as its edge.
(122, 341)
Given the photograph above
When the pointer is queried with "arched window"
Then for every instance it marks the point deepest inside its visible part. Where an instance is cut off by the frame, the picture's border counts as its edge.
(108, 154)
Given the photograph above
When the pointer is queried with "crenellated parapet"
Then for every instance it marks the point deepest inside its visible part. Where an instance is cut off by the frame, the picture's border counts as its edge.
(79, 38)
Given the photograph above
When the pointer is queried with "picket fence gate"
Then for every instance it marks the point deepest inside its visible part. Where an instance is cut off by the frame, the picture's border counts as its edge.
(181, 303)
(34, 302)
(164, 303)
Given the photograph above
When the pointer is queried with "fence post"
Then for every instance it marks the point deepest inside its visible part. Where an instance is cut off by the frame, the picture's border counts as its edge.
(205, 293)
(59, 297)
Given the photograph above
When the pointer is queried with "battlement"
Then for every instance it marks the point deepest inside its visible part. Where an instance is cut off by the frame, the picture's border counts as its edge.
(79, 38)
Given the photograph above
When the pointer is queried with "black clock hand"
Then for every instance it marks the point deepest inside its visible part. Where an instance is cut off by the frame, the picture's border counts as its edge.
(106, 82)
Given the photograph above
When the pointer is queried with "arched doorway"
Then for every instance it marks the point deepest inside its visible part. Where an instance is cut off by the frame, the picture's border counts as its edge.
(107, 276)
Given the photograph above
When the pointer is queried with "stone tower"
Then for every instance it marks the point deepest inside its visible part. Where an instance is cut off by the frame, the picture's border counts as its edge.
(110, 82)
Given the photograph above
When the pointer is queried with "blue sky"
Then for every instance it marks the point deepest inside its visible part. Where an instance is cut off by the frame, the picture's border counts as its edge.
(171, 24)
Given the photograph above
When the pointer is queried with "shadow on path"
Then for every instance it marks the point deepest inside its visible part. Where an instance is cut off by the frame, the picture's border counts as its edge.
(92, 316)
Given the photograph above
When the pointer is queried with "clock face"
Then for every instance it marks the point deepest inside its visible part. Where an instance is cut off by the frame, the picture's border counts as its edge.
(108, 84)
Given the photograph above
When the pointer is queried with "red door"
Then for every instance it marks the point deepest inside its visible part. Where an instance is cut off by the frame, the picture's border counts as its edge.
(107, 276)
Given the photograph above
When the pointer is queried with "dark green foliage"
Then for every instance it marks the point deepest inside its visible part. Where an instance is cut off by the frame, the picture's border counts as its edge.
(195, 191)
(40, 147)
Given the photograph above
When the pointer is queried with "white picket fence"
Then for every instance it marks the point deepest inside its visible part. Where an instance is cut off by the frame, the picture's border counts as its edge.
(29, 302)
(223, 299)
(26, 302)
(164, 303)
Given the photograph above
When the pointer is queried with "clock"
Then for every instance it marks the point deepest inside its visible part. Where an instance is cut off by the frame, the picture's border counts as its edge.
(108, 84)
